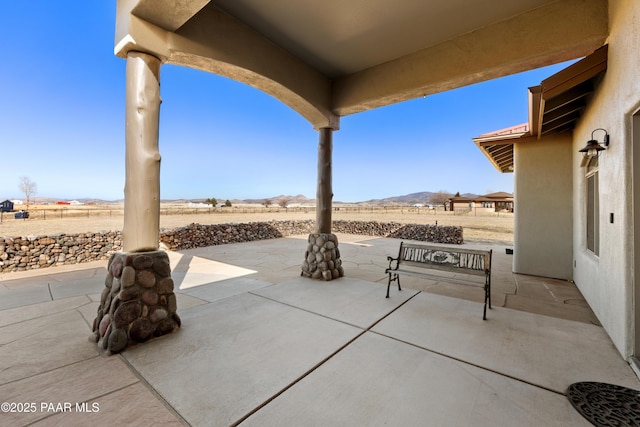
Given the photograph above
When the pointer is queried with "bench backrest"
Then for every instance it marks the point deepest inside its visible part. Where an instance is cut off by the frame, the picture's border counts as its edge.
(472, 261)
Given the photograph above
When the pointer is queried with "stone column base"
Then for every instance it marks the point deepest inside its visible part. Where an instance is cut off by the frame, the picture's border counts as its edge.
(137, 302)
(322, 258)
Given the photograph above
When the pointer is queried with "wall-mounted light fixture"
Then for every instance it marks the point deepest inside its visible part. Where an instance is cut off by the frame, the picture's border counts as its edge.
(594, 147)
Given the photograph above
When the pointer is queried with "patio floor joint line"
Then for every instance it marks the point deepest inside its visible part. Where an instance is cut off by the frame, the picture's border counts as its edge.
(153, 391)
(484, 368)
(322, 362)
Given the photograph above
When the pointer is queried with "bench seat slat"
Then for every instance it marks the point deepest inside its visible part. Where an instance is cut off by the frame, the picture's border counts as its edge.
(445, 268)
(437, 278)
(445, 248)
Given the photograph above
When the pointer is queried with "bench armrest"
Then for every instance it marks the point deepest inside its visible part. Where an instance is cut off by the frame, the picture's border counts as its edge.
(391, 260)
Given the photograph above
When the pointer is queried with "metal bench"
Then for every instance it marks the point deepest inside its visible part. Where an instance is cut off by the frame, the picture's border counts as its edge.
(413, 259)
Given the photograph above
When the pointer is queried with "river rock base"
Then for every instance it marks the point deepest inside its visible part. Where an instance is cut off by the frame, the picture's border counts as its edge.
(322, 258)
(137, 302)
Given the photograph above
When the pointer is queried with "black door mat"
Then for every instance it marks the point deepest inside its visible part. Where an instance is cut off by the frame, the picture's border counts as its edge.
(606, 404)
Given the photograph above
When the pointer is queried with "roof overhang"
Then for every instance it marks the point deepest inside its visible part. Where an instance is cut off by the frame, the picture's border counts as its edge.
(561, 98)
(554, 106)
(498, 146)
(331, 58)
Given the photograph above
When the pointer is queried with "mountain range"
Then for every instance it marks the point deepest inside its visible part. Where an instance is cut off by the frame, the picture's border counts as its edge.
(423, 197)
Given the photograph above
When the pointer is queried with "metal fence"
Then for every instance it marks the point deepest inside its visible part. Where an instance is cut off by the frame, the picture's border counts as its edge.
(49, 214)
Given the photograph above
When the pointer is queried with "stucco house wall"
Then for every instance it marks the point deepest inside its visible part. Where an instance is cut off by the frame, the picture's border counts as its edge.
(606, 280)
(543, 231)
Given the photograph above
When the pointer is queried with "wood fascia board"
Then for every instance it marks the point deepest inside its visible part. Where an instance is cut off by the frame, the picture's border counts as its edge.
(534, 108)
(564, 87)
(575, 74)
(524, 138)
(540, 114)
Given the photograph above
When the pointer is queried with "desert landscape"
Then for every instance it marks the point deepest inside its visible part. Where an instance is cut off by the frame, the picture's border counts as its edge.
(65, 219)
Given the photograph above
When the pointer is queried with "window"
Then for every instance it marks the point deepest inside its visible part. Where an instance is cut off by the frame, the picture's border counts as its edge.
(593, 205)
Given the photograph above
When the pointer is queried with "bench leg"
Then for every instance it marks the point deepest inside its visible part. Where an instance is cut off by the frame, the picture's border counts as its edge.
(395, 278)
(487, 299)
(388, 285)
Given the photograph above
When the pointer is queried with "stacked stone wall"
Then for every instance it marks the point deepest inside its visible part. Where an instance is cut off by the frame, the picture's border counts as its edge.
(33, 252)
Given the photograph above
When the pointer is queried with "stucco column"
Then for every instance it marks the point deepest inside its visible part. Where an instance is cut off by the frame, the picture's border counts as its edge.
(141, 231)
(322, 258)
(138, 302)
(324, 193)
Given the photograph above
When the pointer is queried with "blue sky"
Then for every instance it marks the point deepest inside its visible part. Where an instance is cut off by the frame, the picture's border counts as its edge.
(62, 124)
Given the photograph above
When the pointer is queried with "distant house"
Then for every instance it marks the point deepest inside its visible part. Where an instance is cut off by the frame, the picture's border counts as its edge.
(6, 206)
(495, 202)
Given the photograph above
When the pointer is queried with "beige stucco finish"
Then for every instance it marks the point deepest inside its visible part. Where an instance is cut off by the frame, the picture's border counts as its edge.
(607, 280)
(141, 230)
(551, 34)
(543, 230)
(216, 42)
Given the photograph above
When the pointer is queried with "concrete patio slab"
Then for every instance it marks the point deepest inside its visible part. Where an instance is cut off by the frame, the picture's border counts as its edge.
(545, 351)
(544, 288)
(71, 288)
(78, 382)
(352, 301)
(272, 348)
(378, 381)
(57, 273)
(18, 297)
(44, 343)
(190, 271)
(34, 311)
(185, 301)
(88, 313)
(561, 310)
(225, 288)
(134, 405)
(462, 291)
(233, 355)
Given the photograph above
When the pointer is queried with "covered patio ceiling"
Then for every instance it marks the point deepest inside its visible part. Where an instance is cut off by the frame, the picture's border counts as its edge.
(331, 58)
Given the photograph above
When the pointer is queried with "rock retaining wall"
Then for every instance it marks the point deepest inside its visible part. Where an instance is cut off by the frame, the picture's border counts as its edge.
(33, 252)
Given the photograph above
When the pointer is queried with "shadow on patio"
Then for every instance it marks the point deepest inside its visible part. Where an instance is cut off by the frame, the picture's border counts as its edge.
(261, 346)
